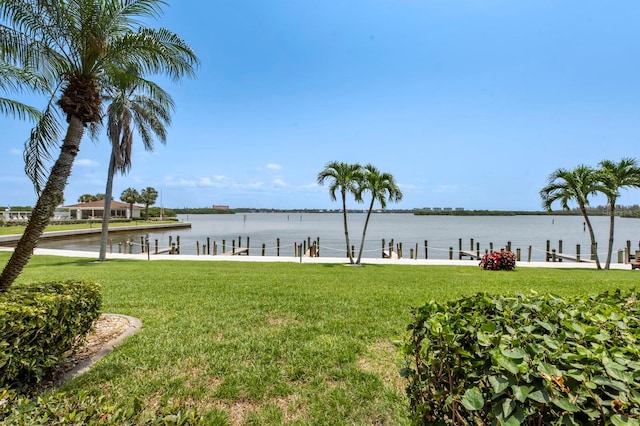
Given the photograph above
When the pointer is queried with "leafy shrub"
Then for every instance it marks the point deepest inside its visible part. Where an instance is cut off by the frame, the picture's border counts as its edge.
(512, 360)
(39, 325)
(84, 409)
(499, 261)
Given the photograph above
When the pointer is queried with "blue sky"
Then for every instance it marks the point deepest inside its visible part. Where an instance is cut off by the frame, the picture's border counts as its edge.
(467, 103)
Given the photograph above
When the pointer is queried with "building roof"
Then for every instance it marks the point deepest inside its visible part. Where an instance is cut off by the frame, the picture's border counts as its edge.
(97, 205)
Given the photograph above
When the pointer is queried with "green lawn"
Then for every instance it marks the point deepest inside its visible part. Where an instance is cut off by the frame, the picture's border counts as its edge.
(272, 343)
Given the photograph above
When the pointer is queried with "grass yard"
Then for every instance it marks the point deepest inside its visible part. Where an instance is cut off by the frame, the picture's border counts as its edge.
(273, 343)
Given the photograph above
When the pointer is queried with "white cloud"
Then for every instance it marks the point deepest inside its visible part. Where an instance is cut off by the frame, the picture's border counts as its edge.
(85, 162)
(272, 166)
(278, 182)
(15, 152)
(449, 189)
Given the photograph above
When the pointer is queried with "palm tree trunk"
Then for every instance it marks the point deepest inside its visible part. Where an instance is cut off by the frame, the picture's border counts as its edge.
(611, 222)
(591, 235)
(46, 204)
(107, 209)
(346, 229)
(364, 231)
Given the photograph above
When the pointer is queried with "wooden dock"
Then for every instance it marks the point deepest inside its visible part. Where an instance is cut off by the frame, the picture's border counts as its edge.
(237, 252)
(385, 254)
(568, 257)
(472, 254)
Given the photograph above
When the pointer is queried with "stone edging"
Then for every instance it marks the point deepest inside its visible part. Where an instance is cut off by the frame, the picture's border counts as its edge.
(135, 325)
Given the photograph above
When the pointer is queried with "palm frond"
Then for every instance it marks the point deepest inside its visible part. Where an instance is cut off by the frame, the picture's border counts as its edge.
(37, 153)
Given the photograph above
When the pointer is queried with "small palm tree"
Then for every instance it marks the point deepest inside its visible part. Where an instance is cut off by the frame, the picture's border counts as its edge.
(148, 196)
(382, 187)
(574, 185)
(615, 176)
(344, 177)
(72, 44)
(131, 196)
(134, 102)
(87, 198)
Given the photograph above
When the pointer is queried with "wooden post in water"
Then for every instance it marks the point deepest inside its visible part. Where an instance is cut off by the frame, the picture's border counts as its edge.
(208, 245)
(577, 252)
(383, 248)
(478, 250)
(304, 246)
(197, 248)
(224, 246)
(142, 243)
(278, 247)
(450, 253)
(263, 247)
(508, 245)
(318, 248)
(529, 254)
(560, 249)
(156, 246)
(411, 253)
(400, 254)
(170, 240)
(239, 242)
(247, 246)
(390, 249)
(553, 255)
(233, 247)
(215, 248)
(173, 248)
(491, 247)
(416, 251)
(178, 244)
(518, 253)
(295, 249)
(426, 249)
(627, 258)
(547, 251)
(459, 248)
(471, 245)
(353, 251)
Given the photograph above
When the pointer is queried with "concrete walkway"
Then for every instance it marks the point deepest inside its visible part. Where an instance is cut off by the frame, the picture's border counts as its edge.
(318, 260)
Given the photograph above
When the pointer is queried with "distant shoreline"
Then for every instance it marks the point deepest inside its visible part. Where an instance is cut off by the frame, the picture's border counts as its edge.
(417, 212)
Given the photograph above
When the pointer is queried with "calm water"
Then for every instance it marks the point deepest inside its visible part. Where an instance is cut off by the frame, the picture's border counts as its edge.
(441, 232)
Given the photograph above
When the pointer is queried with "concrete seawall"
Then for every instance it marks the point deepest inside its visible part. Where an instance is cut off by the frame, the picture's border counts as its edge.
(10, 240)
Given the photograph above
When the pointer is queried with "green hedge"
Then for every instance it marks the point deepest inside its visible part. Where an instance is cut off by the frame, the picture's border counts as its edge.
(39, 325)
(537, 359)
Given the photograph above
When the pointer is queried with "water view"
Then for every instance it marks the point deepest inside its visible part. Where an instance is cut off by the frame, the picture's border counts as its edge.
(441, 232)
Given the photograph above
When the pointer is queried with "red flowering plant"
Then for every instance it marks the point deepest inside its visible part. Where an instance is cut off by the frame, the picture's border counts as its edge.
(499, 261)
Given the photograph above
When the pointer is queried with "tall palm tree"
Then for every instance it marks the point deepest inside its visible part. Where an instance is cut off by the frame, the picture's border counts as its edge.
(134, 102)
(148, 196)
(71, 43)
(344, 177)
(574, 185)
(615, 176)
(383, 188)
(131, 196)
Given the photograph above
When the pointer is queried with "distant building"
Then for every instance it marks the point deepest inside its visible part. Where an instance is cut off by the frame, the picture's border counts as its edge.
(95, 210)
(220, 207)
(459, 209)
